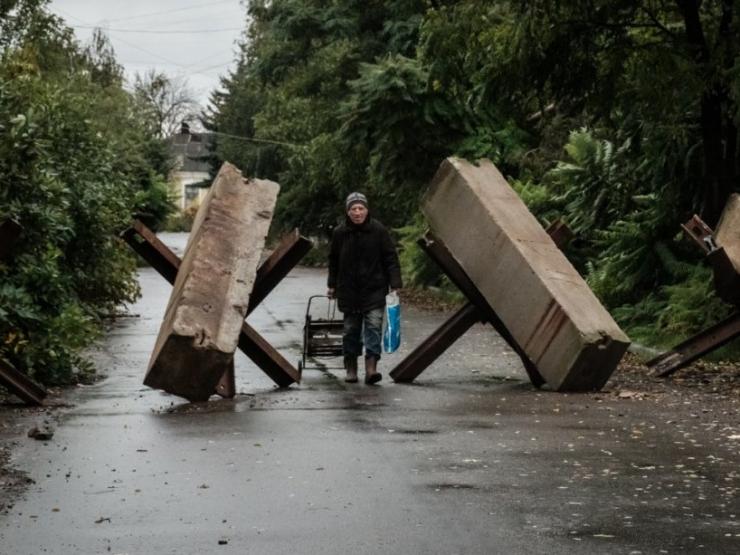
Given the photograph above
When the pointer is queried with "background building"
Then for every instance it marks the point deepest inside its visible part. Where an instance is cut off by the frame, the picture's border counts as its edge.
(192, 170)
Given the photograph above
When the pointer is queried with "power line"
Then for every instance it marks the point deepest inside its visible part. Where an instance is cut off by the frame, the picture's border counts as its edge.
(158, 31)
(211, 56)
(218, 133)
(255, 140)
(165, 12)
(195, 69)
(150, 53)
(172, 62)
(176, 22)
(201, 70)
(132, 45)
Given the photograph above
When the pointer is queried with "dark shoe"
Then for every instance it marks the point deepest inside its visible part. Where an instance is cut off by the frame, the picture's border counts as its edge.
(371, 371)
(373, 378)
(350, 364)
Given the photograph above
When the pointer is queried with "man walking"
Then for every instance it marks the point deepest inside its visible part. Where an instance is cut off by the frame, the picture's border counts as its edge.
(363, 265)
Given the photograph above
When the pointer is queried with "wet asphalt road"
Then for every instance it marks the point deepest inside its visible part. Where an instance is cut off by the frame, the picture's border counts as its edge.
(469, 460)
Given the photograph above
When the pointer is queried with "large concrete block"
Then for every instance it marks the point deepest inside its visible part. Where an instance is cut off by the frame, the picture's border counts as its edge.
(209, 300)
(543, 301)
(728, 230)
(726, 260)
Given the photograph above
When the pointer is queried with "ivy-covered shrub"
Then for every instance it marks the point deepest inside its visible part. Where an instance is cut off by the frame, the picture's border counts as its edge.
(76, 162)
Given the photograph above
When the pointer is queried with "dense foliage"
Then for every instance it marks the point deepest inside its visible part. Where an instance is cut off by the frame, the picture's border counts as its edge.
(618, 116)
(77, 159)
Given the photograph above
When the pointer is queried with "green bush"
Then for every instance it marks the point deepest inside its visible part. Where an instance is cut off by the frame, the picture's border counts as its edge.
(76, 162)
(318, 256)
(181, 221)
(373, 96)
(675, 312)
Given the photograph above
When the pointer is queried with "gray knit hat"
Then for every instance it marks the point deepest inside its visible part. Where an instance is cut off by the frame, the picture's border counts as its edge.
(354, 198)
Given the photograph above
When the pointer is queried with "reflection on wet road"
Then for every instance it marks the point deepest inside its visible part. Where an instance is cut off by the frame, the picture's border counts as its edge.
(469, 460)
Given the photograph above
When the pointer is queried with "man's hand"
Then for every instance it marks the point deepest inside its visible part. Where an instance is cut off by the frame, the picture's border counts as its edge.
(330, 292)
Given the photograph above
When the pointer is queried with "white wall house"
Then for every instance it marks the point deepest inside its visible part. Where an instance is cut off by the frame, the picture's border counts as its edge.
(190, 150)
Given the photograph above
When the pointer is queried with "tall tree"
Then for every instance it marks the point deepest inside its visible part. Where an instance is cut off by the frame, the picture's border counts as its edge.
(620, 115)
(76, 162)
(651, 68)
(167, 100)
(281, 107)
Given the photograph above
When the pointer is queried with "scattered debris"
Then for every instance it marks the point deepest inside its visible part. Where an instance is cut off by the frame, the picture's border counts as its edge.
(627, 394)
(43, 433)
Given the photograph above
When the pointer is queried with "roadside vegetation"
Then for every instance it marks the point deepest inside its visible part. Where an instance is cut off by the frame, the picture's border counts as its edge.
(78, 158)
(618, 117)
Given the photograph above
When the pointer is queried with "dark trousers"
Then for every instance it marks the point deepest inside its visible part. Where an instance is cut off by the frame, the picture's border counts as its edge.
(363, 327)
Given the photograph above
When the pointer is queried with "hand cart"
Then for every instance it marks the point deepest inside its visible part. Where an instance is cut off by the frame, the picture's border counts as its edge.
(322, 337)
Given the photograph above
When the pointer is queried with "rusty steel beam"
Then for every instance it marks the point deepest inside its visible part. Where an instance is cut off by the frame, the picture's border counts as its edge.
(267, 359)
(436, 344)
(21, 385)
(696, 347)
(147, 245)
(727, 286)
(272, 271)
(226, 386)
(9, 233)
(700, 233)
(560, 233)
(726, 278)
(13, 380)
(283, 259)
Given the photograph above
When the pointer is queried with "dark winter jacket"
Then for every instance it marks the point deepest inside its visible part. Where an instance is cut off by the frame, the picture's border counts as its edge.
(363, 264)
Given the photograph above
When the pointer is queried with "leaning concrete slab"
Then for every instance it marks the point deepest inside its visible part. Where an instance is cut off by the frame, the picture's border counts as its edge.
(540, 298)
(209, 301)
(725, 260)
(728, 230)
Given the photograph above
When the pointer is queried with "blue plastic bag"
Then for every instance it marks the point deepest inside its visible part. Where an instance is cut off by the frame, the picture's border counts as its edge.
(392, 325)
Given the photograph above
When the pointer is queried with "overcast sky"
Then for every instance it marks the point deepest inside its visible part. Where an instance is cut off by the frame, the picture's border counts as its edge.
(192, 38)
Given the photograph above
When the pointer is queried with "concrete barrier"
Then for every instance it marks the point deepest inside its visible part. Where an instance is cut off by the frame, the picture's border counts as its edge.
(728, 230)
(541, 299)
(209, 300)
(725, 260)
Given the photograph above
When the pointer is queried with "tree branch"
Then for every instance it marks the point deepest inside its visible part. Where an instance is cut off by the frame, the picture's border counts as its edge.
(725, 23)
(694, 32)
(657, 22)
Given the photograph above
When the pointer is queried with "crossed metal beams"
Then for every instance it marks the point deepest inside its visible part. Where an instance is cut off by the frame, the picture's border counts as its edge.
(696, 346)
(290, 251)
(476, 310)
(16, 382)
(727, 285)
